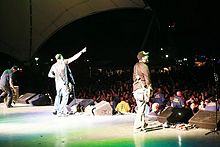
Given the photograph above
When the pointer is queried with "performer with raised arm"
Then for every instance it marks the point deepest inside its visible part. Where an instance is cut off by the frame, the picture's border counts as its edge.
(142, 89)
(59, 72)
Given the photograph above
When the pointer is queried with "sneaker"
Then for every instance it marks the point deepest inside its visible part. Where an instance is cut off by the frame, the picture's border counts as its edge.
(166, 125)
(55, 113)
(145, 125)
(70, 113)
(9, 106)
(140, 130)
(62, 115)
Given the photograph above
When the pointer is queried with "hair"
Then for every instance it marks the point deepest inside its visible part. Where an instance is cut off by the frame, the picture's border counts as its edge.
(59, 56)
(179, 93)
(15, 67)
(155, 106)
(142, 54)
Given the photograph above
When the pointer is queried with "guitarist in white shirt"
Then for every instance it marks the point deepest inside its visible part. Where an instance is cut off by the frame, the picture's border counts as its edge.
(59, 72)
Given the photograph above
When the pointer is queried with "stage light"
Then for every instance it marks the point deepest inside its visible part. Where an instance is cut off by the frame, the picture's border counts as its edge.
(20, 69)
(36, 58)
(185, 59)
(200, 64)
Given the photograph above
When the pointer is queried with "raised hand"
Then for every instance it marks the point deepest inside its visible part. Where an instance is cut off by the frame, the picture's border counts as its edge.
(83, 50)
(76, 56)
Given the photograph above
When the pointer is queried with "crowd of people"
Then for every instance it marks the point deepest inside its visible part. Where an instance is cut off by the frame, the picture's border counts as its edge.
(165, 95)
(175, 88)
(180, 86)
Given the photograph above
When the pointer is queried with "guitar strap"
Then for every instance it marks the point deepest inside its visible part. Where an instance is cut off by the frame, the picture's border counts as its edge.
(68, 72)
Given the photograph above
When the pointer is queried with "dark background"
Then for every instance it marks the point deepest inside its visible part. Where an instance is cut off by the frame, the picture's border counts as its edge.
(184, 29)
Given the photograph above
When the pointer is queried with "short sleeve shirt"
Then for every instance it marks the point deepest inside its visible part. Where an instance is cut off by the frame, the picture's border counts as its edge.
(6, 75)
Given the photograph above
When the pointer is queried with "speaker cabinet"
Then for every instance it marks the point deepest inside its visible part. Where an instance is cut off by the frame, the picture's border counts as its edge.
(175, 115)
(102, 108)
(25, 98)
(180, 115)
(165, 114)
(205, 119)
(40, 100)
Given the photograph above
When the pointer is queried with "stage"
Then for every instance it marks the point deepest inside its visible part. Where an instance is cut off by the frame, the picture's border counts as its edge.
(25, 125)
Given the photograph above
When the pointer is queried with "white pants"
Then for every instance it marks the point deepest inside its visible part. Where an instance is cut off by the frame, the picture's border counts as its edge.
(140, 98)
(61, 99)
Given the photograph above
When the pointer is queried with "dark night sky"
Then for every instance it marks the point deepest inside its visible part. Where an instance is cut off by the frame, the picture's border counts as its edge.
(118, 35)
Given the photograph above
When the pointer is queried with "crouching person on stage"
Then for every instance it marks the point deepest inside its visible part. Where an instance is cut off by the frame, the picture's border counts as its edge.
(142, 89)
(6, 85)
(59, 72)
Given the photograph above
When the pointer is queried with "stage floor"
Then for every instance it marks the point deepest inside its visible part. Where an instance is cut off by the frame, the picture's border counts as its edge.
(25, 126)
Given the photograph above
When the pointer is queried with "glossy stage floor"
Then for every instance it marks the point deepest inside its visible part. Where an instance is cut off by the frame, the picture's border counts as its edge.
(29, 126)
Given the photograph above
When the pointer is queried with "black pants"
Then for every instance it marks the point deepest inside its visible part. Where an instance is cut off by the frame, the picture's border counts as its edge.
(6, 93)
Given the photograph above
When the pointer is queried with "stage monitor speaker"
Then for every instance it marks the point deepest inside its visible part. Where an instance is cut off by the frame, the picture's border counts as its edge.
(175, 115)
(25, 98)
(86, 102)
(40, 100)
(180, 115)
(80, 103)
(206, 119)
(102, 108)
(165, 114)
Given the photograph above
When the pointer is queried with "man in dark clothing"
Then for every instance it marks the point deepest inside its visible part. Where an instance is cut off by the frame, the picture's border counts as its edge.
(6, 85)
(178, 101)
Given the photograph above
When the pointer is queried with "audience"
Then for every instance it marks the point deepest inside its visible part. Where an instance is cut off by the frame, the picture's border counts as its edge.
(178, 101)
(177, 88)
(123, 107)
(172, 90)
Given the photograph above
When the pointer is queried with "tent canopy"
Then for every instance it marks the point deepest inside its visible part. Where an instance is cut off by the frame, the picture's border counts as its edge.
(26, 25)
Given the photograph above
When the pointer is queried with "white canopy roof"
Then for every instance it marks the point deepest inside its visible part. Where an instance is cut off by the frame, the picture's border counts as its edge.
(27, 24)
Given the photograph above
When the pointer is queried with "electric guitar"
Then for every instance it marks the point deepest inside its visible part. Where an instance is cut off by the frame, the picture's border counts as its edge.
(148, 93)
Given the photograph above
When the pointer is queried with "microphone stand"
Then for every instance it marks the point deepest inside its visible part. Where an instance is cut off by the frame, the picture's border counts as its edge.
(216, 129)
